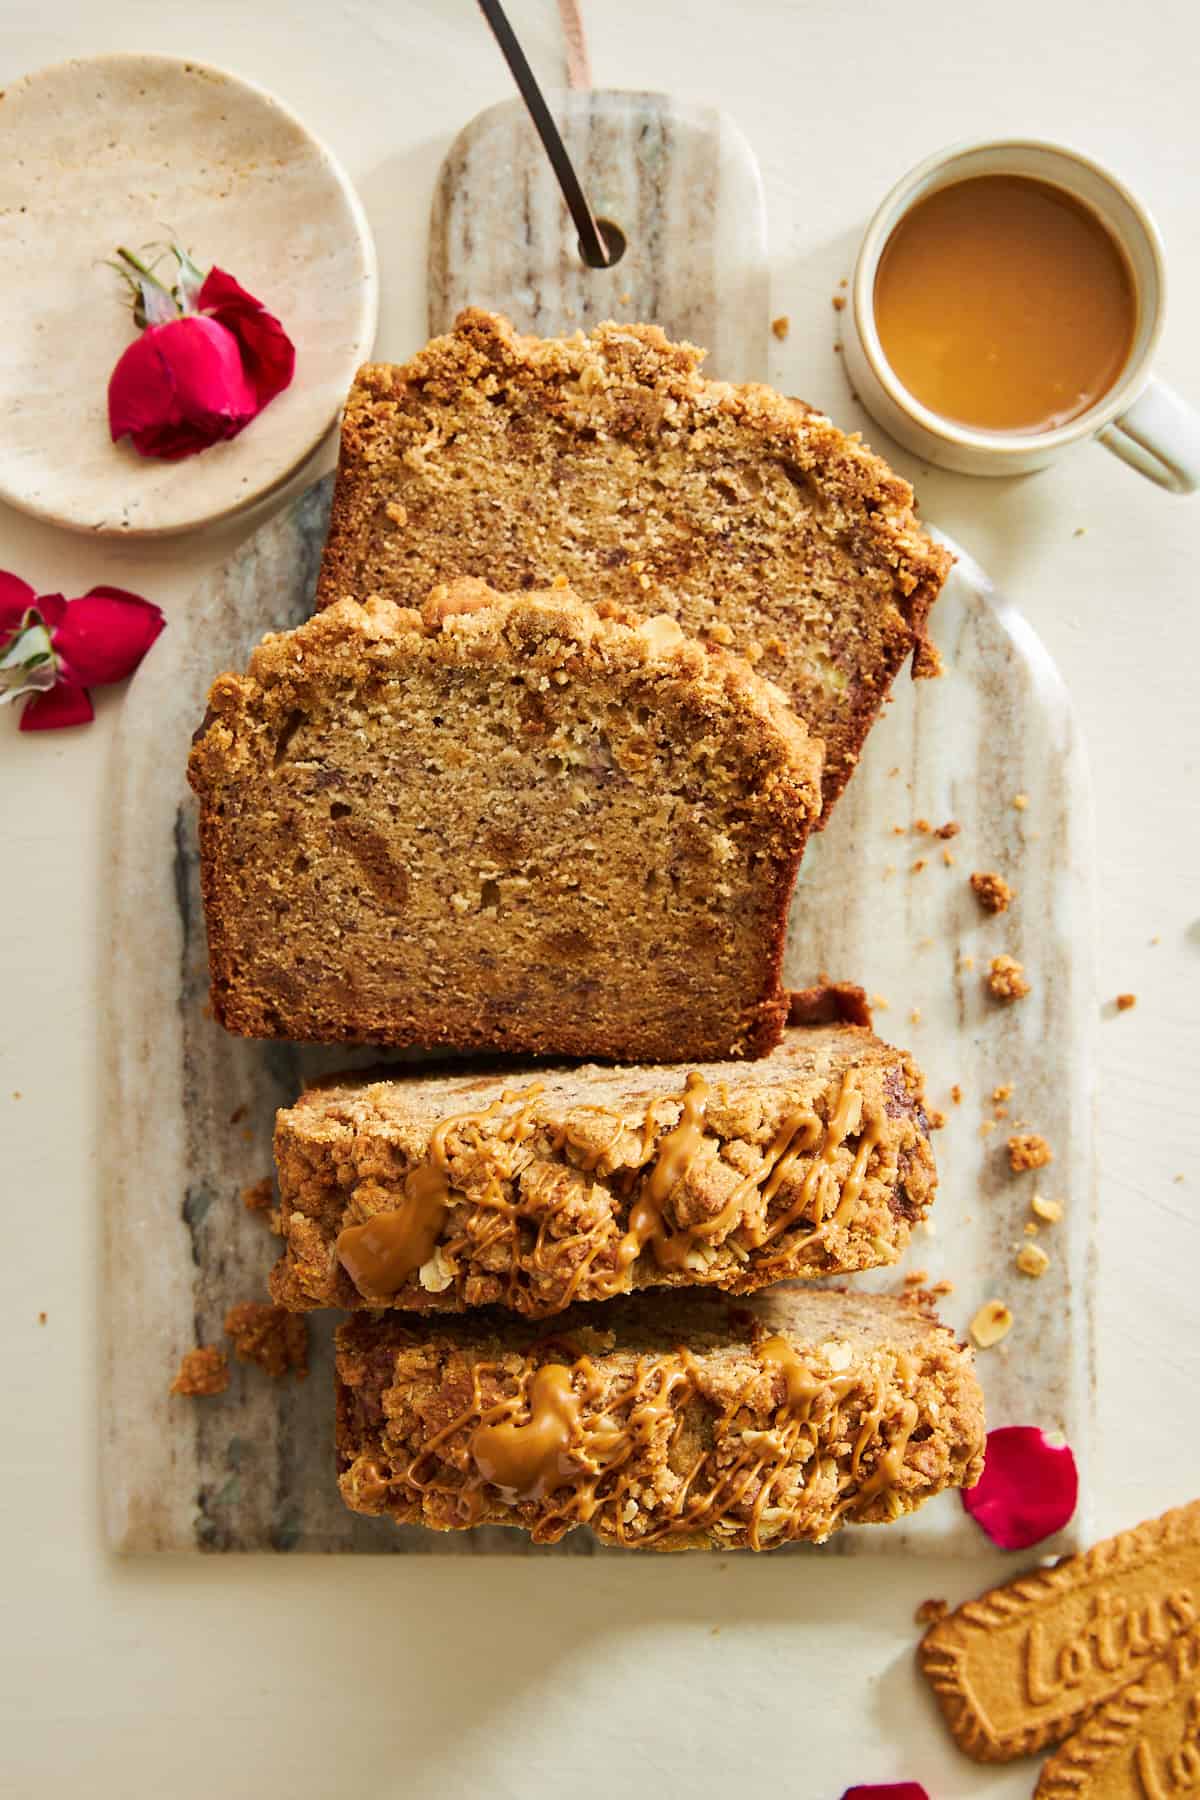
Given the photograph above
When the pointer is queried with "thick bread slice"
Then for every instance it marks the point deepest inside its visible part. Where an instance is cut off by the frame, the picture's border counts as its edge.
(532, 1189)
(678, 1423)
(501, 823)
(611, 460)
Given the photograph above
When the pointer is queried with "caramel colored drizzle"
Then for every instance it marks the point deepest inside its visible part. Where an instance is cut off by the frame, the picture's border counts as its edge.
(527, 1461)
(383, 1253)
(380, 1255)
(562, 1443)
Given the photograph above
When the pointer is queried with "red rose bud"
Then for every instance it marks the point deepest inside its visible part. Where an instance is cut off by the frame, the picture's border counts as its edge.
(888, 1790)
(209, 359)
(53, 650)
(1028, 1490)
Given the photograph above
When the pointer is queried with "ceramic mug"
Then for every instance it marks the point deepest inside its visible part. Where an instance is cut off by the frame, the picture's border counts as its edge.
(1139, 419)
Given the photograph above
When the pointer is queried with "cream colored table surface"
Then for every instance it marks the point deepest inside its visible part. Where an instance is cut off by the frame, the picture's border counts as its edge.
(197, 1677)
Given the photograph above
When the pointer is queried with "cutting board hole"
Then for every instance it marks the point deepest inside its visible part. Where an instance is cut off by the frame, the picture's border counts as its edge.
(614, 243)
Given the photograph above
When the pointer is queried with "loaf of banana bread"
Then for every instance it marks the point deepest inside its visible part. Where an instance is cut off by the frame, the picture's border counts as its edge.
(686, 1422)
(610, 459)
(534, 1188)
(501, 823)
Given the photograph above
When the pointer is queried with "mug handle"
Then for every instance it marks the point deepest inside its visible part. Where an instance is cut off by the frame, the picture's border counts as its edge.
(1159, 436)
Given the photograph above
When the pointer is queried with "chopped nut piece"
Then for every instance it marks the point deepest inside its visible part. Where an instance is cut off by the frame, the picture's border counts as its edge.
(991, 890)
(1030, 1151)
(1020, 801)
(202, 1371)
(1032, 1260)
(272, 1337)
(1005, 979)
(930, 1611)
(950, 829)
(1049, 1211)
(1125, 1001)
(781, 326)
(992, 1322)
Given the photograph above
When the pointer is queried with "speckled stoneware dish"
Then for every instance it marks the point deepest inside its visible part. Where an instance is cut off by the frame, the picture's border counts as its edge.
(130, 150)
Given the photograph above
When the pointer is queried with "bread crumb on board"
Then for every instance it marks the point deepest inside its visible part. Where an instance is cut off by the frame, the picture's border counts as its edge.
(839, 302)
(1032, 1260)
(781, 326)
(992, 891)
(1020, 802)
(202, 1371)
(1005, 979)
(1028, 1150)
(270, 1336)
(930, 1611)
(992, 1322)
(1048, 1211)
(1125, 1001)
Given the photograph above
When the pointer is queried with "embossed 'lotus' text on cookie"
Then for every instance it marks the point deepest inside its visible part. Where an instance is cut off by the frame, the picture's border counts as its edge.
(1143, 1743)
(1021, 1666)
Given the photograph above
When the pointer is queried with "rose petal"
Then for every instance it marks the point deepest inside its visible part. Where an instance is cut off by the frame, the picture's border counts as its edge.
(179, 388)
(887, 1790)
(104, 636)
(60, 707)
(16, 598)
(268, 354)
(1028, 1490)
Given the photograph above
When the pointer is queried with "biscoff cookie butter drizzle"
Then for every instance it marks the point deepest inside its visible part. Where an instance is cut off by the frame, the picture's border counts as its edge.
(381, 1254)
(566, 1440)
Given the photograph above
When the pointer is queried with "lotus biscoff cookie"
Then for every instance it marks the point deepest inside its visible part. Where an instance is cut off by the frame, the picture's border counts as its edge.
(1144, 1745)
(1020, 1667)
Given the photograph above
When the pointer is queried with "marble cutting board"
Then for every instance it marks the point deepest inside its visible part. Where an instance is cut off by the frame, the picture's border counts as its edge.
(188, 1110)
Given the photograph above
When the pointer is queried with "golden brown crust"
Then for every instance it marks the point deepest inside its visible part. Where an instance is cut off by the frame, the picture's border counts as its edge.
(815, 1161)
(688, 1423)
(1020, 1667)
(1142, 1745)
(611, 460)
(502, 822)
(202, 1372)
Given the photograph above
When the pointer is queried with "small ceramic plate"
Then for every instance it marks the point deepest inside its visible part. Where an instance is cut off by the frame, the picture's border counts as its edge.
(132, 150)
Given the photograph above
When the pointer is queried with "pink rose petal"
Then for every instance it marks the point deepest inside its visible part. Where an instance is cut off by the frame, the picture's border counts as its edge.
(268, 354)
(104, 635)
(1028, 1490)
(887, 1790)
(179, 388)
(16, 598)
(58, 707)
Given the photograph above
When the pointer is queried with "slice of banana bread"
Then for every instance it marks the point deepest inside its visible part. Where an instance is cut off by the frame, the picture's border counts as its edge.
(532, 1189)
(686, 1422)
(611, 460)
(501, 823)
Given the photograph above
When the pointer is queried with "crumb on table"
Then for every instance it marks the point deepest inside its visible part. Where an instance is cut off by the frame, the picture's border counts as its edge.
(1125, 1001)
(202, 1371)
(781, 326)
(956, 1094)
(1002, 1093)
(1028, 1150)
(950, 829)
(1048, 1211)
(992, 891)
(921, 863)
(272, 1337)
(260, 1196)
(930, 1611)
(839, 302)
(1020, 801)
(41, 1318)
(1006, 979)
